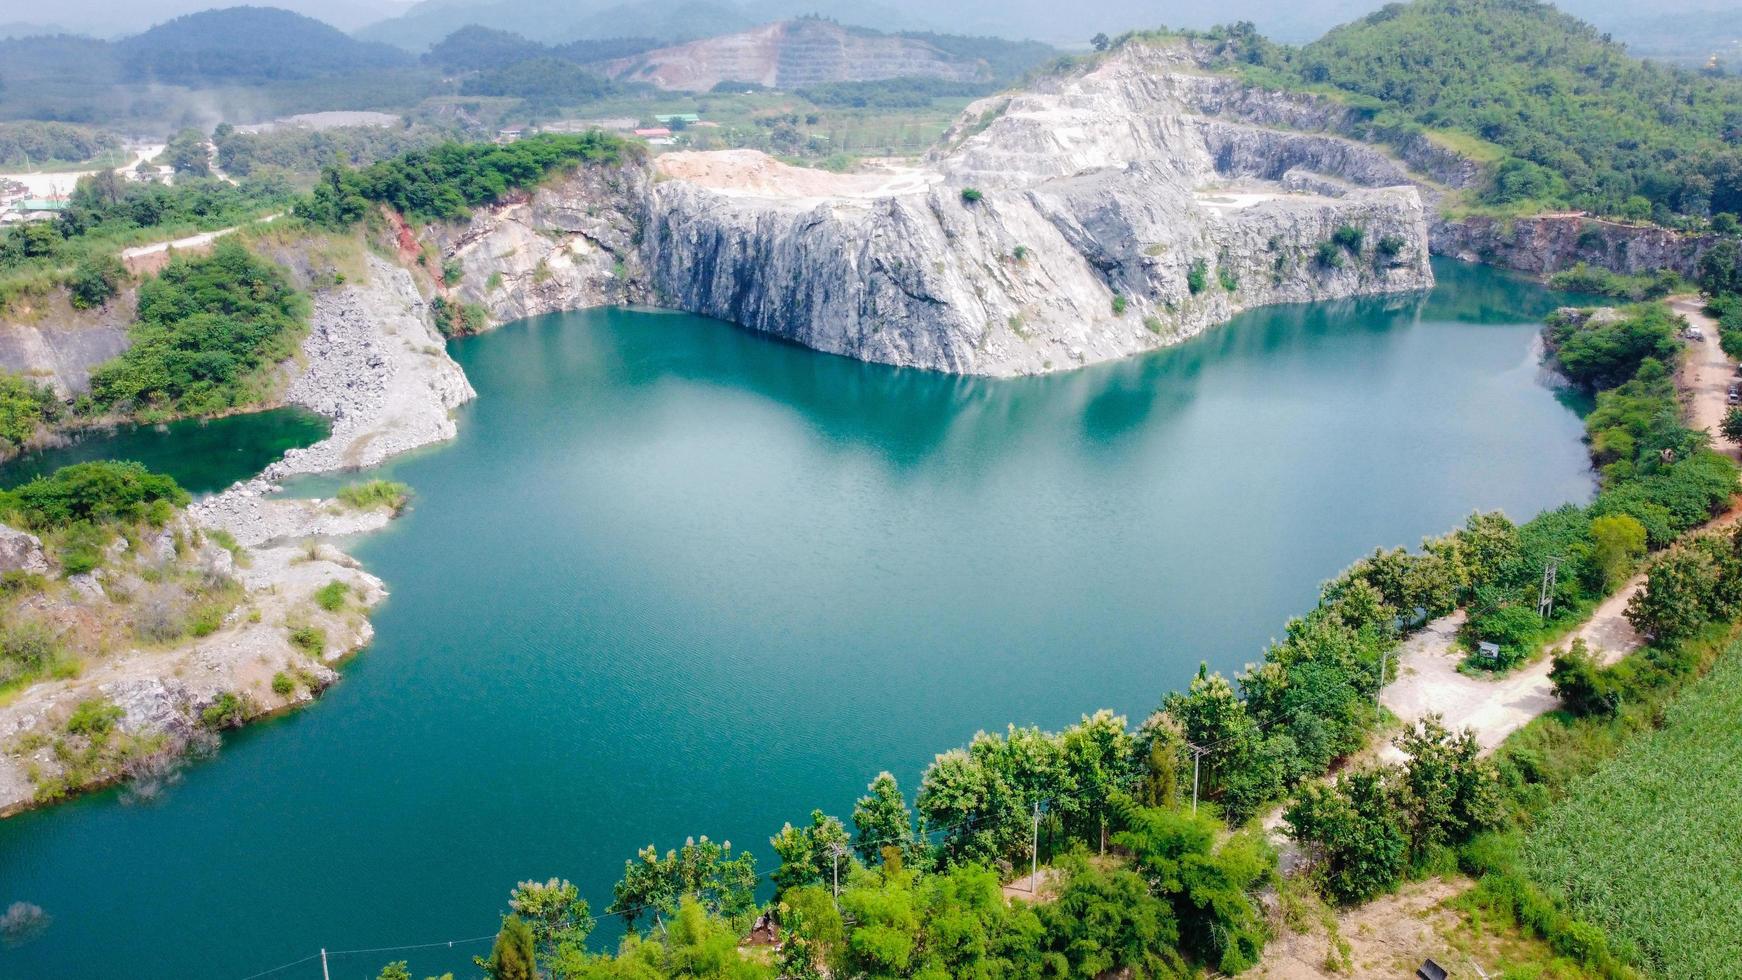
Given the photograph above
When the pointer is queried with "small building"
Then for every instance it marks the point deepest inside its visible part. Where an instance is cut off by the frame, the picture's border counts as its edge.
(687, 118)
(654, 133)
(509, 135)
(46, 207)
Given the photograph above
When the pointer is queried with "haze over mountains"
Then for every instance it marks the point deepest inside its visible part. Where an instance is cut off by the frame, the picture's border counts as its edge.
(1660, 27)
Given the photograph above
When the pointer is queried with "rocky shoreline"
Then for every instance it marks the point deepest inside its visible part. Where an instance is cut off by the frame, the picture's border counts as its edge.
(372, 364)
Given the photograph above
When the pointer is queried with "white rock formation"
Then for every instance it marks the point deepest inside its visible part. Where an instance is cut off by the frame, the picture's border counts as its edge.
(1118, 210)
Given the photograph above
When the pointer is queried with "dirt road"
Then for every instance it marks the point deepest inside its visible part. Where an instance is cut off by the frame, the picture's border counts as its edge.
(1427, 677)
(1706, 375)
(149, 258)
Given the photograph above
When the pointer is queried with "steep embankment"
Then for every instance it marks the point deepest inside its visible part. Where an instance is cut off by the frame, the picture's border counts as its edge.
(1089, 218)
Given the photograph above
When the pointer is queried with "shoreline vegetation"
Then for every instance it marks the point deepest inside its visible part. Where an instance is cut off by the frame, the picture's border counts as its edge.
(1134, 880)
(1108, 804)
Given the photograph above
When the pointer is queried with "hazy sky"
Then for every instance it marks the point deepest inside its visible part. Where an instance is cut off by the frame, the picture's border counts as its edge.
(1051, 20)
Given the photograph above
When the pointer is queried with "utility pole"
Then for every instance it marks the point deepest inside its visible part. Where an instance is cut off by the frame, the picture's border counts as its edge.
(324, 974)
(1034, 854)
(1545, 598)
(1383, 656)
(835, 865)
(1197, 761)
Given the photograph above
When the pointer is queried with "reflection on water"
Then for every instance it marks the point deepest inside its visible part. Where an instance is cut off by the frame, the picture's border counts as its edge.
(675, 578)
(203, 455)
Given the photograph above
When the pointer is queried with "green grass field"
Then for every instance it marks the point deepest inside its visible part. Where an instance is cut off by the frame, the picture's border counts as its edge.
(1649, 847)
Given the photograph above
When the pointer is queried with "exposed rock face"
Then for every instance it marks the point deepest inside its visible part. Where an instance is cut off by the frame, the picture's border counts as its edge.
(1549, 243)
(1112, 218)
(565, 248)
(378, 369)
(21, 551)
(61, 345)
(792, 54)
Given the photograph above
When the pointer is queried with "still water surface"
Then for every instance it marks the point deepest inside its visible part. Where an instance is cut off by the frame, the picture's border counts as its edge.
(204, 455)
(674, 578)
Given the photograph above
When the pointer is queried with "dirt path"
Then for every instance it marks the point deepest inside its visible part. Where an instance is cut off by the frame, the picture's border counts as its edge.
(1706, 375)
(142, 258)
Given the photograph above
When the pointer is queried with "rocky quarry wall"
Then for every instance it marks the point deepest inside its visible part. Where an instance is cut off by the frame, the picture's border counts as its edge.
(1111, 217)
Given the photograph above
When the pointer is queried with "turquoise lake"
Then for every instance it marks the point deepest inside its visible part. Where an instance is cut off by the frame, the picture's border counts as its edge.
(674, 578)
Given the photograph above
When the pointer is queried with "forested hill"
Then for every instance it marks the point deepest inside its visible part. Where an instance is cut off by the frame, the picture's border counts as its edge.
(1576, 121)
(247, 44)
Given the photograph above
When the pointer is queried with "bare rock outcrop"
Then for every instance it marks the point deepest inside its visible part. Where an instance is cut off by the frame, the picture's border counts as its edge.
(21, 551)
(376, 367)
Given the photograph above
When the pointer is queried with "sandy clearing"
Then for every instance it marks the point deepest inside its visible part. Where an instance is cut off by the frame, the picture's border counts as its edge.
(1428, 682)
(751, 173)
(61, 184)
(1388, 938)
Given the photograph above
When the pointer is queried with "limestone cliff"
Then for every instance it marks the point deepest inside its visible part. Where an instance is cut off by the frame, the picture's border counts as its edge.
(1548, 243)
(1087, 218)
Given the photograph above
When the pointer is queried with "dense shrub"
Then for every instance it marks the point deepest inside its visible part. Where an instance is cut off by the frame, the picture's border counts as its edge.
(101, 491)
(25, 407)
(1197, 276)
(375, 493)
(1603, 351)
(457, 319)
(447, 181)
(209, 331)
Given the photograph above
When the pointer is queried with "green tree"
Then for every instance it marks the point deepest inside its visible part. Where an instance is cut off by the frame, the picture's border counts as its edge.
(1618, 542)
(188, 152)
(1160, 749)
(811, 855)
(25, 406)
(511, 958)
(560, 921)
(1732, 425)
(96, 492)
(1581, 683)
(702, 870)
(1241, 768)
(881, 819)
(1356, 832)
(1209, 889)
(1105, 921)
(1098, 763)
(1675, 603)
(1449, 791)
(95, 280)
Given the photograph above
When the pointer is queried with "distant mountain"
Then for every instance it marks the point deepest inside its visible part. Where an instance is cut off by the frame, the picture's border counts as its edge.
(668, 21)
(797, 54)
(20, 28)
(1064, 24)
(112, 19)
(475, 48)
(247, 44)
